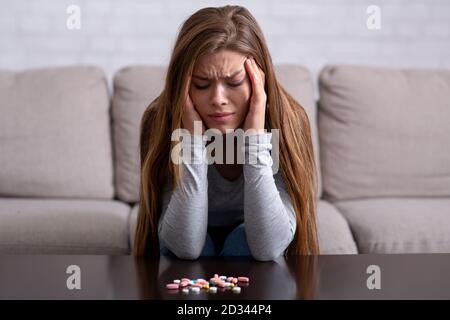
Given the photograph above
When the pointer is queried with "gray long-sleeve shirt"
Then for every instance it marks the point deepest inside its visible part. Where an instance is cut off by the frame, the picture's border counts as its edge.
(258, 198)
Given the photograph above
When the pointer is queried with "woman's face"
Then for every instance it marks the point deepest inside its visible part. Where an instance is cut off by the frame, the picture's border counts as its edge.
(220, 84)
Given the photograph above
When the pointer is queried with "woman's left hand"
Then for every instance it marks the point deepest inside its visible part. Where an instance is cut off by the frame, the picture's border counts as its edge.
(257, 110)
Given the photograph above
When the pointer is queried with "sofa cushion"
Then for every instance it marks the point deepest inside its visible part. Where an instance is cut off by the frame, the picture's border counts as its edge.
(335, 236)
(298, 82)
(57, 226)
(399, 225)
(55, 136)
(132, 225)
(334, 232)
(384, 132)
(136, 86)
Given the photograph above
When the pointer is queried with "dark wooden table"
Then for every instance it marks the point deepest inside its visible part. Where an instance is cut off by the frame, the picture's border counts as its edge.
(408, 276)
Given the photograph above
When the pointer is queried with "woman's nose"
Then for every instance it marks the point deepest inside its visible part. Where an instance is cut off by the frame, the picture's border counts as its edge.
(218, 96)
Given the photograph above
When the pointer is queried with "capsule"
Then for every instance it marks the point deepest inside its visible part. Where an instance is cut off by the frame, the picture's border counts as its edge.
(243, 279)
(172, 286)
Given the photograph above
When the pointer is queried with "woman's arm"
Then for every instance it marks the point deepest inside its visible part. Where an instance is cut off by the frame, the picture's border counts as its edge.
(184, 220)
(269, 216)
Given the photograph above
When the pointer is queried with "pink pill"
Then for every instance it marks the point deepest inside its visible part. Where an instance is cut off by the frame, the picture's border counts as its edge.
(200, 285)
(172, 286)
(186, 279)
(184, 283)
(229, 279)
(220, 284)
(243, 279)
(216, 275)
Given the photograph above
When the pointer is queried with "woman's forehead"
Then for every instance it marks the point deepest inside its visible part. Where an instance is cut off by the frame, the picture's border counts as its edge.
(221, 64)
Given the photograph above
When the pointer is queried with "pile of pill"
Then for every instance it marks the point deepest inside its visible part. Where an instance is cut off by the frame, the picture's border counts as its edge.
(222, 282)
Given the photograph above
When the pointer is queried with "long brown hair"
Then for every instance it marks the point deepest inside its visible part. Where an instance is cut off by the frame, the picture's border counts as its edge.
(206, 31)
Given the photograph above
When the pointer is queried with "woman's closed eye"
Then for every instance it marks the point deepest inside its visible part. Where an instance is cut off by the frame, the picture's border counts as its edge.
(236, 84)
(231, 84)
(201, 87)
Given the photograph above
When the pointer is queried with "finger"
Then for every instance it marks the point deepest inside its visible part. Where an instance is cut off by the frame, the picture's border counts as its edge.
(251, 73)
(258, 75)
(258, 85)
(255, 68)
(258, 70)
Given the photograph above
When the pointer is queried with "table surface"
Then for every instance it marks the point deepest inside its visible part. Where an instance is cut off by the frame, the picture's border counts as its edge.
(402, 276)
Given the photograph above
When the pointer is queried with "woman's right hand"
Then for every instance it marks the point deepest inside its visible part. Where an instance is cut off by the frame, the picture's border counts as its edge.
(190, 114)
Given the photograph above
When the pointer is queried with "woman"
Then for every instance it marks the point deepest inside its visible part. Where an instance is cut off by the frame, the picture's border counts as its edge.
(221, 75)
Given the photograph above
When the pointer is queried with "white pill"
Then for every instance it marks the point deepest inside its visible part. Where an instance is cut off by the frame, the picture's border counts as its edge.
(176, 281)
(185, 290)
(195, 289)
(237, 289)
(213, 289)
(227, 284)
(223, 277)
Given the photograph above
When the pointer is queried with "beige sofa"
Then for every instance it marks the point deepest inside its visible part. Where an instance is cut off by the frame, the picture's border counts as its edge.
(69, 157)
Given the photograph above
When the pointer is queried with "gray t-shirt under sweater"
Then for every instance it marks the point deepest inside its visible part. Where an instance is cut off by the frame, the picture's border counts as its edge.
(258, 198)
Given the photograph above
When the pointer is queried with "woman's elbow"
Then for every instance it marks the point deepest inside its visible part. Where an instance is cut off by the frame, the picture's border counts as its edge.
(266, 255)
(188, 255)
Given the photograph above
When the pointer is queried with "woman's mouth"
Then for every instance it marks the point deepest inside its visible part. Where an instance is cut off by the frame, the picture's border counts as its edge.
(222, 117)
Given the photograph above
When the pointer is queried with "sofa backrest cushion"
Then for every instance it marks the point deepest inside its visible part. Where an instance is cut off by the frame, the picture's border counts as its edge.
(55, 138)
(136, 86)
(384, 132)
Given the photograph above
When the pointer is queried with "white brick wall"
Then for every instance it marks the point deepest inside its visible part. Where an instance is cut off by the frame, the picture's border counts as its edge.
(114, 33)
